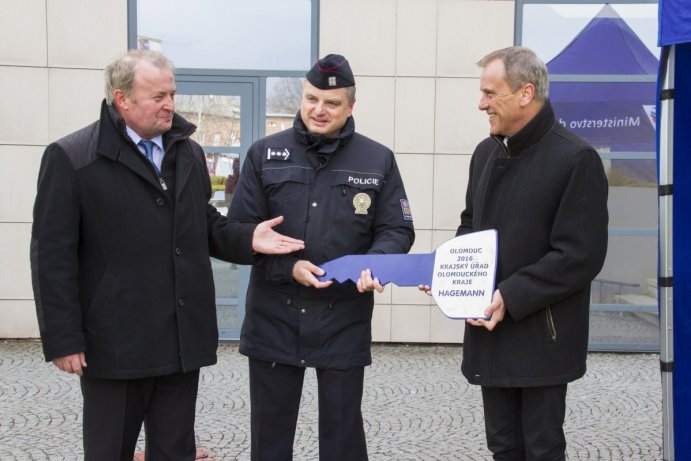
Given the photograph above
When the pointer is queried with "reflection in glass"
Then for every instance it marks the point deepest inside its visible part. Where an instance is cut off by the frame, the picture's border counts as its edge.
(629, 275)
(224, 171)
(283, 97)
(609, 330)
(627, 285)
(228, 34)
(217, 117)
(226, 280)
(548, 28)
(602, 63)
(632, 208)
(631, 173)
(609, 43)
(611, 116)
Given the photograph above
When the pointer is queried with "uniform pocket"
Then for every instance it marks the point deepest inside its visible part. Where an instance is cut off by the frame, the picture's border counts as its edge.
(358, 189)
(281, 174)
(286, 187)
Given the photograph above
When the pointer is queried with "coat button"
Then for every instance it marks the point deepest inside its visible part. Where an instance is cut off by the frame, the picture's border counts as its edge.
(314, 204)
(302, 362)
(181, 302)
(178, 251)
(160, 201)
(303, 310)
(289, 302)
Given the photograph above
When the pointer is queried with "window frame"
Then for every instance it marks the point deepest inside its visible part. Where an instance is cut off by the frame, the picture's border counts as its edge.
(614, 232)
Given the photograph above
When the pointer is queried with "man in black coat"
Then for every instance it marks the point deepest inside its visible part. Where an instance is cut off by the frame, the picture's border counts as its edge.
(120, 249)
(342, 194)
(545, 192)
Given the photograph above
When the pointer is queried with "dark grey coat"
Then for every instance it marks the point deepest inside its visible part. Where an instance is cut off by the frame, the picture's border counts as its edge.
(121, 266)
(546, 194)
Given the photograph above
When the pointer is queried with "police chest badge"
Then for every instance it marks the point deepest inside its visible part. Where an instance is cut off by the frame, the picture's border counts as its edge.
(361, 202)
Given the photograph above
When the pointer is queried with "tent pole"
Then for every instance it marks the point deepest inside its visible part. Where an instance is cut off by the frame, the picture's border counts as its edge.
(665, 282)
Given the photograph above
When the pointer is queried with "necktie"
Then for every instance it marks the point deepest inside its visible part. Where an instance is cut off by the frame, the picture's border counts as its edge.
(149, 152)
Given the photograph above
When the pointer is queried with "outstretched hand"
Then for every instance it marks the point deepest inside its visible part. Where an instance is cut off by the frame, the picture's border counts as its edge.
(268, 241)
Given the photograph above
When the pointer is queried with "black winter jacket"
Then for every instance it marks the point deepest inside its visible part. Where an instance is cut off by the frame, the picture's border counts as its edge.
(318, 184)
(546, 194)
(120, 265)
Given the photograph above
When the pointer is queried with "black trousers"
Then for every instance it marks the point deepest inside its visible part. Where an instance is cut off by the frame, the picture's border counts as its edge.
(525, 423)
(275, 392)
(114, 410)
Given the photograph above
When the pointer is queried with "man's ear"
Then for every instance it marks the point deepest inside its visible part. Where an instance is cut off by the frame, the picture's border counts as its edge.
(527, 94)
(351, 105)
(120, 100)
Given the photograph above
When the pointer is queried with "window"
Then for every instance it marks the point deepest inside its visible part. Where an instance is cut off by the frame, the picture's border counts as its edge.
(239, 68)
(228, 34)
(602, 60)
(283, 97)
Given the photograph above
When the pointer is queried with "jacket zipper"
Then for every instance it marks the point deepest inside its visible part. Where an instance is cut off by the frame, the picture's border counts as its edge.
(550, 324)
(503, 146)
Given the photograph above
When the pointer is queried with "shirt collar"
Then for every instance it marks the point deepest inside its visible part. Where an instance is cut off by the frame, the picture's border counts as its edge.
(158, 140)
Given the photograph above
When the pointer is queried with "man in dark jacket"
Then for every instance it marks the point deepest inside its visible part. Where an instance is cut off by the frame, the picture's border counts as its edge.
(342, 194)
(544, 190)
(120, 250)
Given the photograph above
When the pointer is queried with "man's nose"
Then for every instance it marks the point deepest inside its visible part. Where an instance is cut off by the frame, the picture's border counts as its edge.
(169, 102)
(483, 104)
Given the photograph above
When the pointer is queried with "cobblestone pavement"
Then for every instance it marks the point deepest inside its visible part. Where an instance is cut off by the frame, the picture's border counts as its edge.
(417, 406)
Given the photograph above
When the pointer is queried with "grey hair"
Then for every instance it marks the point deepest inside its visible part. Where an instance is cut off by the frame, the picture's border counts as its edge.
(120, 73)
(522, 66)
(350, 91)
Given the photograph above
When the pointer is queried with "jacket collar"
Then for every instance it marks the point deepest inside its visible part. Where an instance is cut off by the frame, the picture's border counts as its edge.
(112, 137)
(530, 134)
(321, 144)
(114, 143)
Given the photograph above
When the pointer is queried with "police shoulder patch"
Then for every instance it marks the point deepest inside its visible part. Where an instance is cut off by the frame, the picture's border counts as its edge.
(405, 209)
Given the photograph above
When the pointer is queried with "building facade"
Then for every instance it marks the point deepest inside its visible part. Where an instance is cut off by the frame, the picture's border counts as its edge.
(417, 84)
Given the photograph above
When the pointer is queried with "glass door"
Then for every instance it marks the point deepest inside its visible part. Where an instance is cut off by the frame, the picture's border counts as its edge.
(225, 112)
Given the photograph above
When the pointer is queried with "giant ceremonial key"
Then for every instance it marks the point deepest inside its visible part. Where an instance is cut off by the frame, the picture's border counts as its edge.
(461, 272)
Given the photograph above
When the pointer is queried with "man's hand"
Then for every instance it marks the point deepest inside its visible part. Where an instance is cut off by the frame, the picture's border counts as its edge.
(268, 241)
(367, 283)
(71, 363)
(495, 312)
(305, 273)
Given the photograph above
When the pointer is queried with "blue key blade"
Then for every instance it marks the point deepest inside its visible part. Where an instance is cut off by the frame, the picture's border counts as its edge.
(404, 270)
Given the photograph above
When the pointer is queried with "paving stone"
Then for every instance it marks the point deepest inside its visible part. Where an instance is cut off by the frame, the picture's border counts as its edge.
(417, 406)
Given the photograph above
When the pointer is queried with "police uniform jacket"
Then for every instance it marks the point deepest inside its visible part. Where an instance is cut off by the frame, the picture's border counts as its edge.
(342, 196)
(546, 194)
(120, 257)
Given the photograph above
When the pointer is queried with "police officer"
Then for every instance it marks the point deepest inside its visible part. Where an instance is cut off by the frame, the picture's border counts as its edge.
(342, 194)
